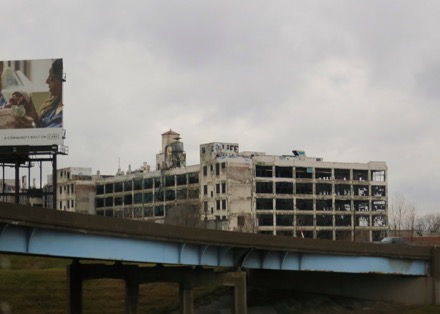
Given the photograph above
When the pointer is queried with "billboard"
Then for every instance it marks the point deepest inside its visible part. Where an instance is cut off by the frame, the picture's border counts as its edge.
(31, 102)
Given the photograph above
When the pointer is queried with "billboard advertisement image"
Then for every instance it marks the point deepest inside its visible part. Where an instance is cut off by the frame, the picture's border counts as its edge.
(31, 102)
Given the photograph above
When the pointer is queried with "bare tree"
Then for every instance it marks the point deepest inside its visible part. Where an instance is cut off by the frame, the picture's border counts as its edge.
(429, 223)
(402, 216)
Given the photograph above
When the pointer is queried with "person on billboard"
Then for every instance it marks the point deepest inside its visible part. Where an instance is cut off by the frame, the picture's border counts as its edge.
(19, 112)
(51, 112)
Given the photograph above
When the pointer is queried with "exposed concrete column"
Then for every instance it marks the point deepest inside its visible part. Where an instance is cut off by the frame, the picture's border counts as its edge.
(131, 295)
(436, 275)
(186, 299)
(238, 281)
(74, 288)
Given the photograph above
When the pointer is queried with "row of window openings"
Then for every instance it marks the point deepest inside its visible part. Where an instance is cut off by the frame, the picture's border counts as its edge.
(70, 188)
(219, 205)
(141, 198)
(149, 183)
(147, 212)
(320, 189)
(320, 205)
(319, 173)
(220, 188)
(211, 167)
(69, 204)
(321, 220)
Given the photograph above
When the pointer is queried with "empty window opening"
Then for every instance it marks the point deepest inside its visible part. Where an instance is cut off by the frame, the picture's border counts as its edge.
(264, 204)
(148, 183)
(323, 174)
(379, 206)
(304, 204)
(137, 184)
(181, 179)
(304, 221)
(169, 181)
(284, 204)
(360, 190)
(265, 220)
(325, 205)
(263, 171)
(361, 206)
(304, 188)
(342, 174)
(323, 189)
(284, 220)
(379, 221)
(344, 235)
(264, 187)
(360, 175)
(342, 189)
(284, 172)
(324, 220)
(303, 173)
(284, 187)
(378, 190)
(342, 220)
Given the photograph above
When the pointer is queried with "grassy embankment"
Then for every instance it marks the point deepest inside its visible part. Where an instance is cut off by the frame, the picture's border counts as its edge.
(38, 285)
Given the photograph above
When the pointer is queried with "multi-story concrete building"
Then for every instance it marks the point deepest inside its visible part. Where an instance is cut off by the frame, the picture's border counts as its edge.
(291, 195)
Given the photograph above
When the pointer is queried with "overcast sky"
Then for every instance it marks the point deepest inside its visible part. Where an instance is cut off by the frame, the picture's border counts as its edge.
(348, 81)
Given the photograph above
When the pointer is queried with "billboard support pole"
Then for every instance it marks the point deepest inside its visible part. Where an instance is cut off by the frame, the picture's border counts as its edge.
(17, 182)
(54, 178)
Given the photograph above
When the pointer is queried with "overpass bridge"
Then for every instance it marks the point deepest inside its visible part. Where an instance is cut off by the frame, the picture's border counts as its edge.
(401, 273)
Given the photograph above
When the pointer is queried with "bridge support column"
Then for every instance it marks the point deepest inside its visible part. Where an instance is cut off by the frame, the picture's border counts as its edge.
(186, 299)
(74, 291)
(436, 275)
(131, 296)
(238, 281)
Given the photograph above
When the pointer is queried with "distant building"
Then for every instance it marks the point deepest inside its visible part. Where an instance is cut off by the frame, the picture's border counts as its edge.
(292, 195)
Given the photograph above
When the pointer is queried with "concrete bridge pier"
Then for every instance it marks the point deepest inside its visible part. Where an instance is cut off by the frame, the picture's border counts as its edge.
(186, 277)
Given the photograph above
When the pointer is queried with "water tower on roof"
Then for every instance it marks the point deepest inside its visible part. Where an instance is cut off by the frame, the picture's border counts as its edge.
(173, 154)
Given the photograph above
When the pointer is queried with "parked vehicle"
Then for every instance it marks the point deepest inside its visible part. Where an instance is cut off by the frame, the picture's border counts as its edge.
(392, 240)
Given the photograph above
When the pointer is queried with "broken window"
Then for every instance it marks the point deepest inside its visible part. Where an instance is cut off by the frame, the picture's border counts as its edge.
(361, 206)
(157, 183)
(193, 178)
(284, 220)
(324, 220)
(323, 174)
(304, 204)
(360, 175)
(170, 195)
(264, 187)
(284, 187)
(378, 175)
(342, 220)
(128, 199)
(304, 188)
(263, 171)
(181, 179)
(341, 205)
(128, 185)
(379, 206)
(360, 190)
(342, 174)
(342, 189)
(159, 196)
(148, 183)
(169, 181)
(344, 235)
(378, 190)
(283, 172)
(118, 201)
(148, 197)
(323, 189)
(362, 221)
(304, 220)
(284, 204)
(303, 173)
(118, 187)
(99, 202)
(378, 235)
(265, 220)
(325, 205)
(379, 221)
(137, 184)
(109, 188)
(99, 189)
(264, 204)
(138, 198)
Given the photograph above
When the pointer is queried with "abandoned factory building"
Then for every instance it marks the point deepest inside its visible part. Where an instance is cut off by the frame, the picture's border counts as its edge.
(292, 195)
